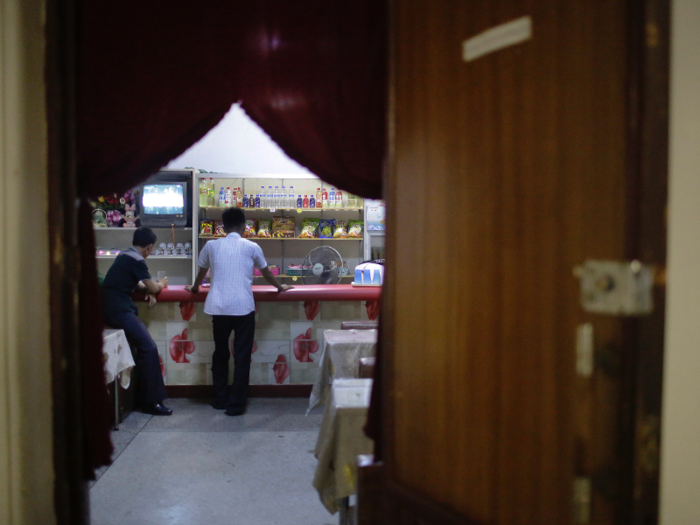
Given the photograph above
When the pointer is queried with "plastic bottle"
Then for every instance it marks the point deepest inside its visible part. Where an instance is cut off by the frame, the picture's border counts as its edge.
(239, 197)
(338, 199)
(324, 197)
(291, 201)
(211, 191)
(312, 201)
(270, 198)
(319, 198)
(222, 197)
(228, 196)
(305, 202)
(245, 200)
(277, 196)
(331, 198)
(283, 198)
(257, 201)
(263, 200)
(300, 202)
(203, 193)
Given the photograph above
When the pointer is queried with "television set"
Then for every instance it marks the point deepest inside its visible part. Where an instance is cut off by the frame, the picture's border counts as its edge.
(165, 200)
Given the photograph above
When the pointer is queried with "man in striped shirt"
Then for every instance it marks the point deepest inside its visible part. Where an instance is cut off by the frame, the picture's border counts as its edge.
(230, 262)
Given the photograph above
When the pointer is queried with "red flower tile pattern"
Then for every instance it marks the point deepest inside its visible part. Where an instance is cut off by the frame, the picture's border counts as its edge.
(280, 369)
(187, 310)
(303, 346)
(311, 309)
(180, 347)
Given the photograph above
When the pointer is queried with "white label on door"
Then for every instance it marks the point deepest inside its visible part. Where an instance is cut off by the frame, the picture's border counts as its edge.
(496, 38)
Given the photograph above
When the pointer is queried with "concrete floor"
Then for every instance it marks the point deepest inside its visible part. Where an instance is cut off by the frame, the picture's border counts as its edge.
(201, 466)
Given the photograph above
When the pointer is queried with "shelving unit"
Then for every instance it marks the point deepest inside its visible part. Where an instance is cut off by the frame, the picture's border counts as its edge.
(285, 238)
(150, 257)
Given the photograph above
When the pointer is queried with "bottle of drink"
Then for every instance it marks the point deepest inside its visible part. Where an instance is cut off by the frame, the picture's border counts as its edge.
(277, 196)
(291, 201)
(203, 193)
(283, 198)
(228, 196)
(270, 198)
(338, 199)
(331, 198)
(239, 197)
(245, 200)
(319, 198)
(263, 200)
(305, 202)
(300, 202)
(312, 201)
(211, 200)
(222, 197)
(324, 197)
(257, 201)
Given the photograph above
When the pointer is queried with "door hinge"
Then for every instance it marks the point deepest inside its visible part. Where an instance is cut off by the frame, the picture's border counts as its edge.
(582, 500)
(616, 288)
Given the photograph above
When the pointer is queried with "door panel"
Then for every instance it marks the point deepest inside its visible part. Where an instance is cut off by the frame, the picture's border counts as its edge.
(506, 173)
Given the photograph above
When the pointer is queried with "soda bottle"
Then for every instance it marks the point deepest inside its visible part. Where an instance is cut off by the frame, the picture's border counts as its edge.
(228, 196)
(312, 201)
(203, 193)
(257, 201)
(324, 197)
(245, 200)
(331, 198)
(305, 203)
(239, 197)
(222, 197)
(300, 202)
(338, 199)
(319, 198)
(211, 201)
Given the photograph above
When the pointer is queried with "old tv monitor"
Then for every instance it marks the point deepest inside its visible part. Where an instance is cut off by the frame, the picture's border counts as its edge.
(164, 203)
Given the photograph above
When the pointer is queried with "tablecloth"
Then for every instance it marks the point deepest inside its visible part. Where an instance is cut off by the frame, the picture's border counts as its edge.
(341, 439)
(341, 359)
(117, 356)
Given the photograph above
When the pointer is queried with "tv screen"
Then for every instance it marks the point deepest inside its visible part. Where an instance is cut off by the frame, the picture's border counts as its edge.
(163, 199)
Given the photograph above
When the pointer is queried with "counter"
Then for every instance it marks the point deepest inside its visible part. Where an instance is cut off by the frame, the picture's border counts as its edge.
(289, 329)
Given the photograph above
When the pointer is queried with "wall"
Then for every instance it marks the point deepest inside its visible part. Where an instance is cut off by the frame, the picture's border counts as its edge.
(680, 468)
(26, 474)
(238, 145)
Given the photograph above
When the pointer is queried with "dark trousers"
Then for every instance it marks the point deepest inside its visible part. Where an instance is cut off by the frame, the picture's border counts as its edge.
(151, 388)
(244, 328)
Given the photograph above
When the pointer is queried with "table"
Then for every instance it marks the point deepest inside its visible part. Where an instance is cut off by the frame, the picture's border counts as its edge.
(118, 363)
(340, 440)
(341, 359)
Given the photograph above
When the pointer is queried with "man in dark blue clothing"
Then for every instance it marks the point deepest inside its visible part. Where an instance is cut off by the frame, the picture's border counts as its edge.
(129, 273)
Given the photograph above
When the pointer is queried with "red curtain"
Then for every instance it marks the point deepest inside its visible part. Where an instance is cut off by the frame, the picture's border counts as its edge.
(154, 77)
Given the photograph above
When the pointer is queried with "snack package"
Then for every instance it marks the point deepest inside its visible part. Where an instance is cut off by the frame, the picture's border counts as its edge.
(355, 229)
(308, 229)
(283, 227)
(219, 229)
(264, 229)
(250, 228)
(326, 228)
(206, 228)
(341, 230)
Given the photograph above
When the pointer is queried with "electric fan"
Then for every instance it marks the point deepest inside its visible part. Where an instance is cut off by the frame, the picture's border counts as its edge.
(321, 266)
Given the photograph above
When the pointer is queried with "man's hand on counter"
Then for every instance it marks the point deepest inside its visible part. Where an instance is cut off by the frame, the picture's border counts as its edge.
(284, 287)
(192, 288)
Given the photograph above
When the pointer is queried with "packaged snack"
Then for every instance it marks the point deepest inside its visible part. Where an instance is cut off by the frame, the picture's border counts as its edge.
(264, 229)
(283, 227)
(219, 229)
(250, 228)
(308, 229)
(341, 230)
(355, 229)
(206, 228)
(326, 228)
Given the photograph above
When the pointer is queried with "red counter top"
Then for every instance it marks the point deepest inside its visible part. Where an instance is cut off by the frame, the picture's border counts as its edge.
(326, 292)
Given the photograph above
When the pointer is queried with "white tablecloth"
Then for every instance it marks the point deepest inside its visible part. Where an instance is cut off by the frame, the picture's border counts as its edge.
(341, 439)
(341, 359)
(117, 356)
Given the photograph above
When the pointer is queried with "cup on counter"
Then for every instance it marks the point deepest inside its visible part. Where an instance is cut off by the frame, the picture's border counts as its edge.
(162, 246)
(377, 278)
(358, 276)
(188, 248)
(171, 246)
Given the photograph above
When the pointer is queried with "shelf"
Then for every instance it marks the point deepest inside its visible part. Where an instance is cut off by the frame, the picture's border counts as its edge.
(284, 209)
(285, 276)
(133, 229)
(150, 257)
(282, 238)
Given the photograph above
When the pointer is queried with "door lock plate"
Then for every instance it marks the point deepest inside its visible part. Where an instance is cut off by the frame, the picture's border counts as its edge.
(616, 288)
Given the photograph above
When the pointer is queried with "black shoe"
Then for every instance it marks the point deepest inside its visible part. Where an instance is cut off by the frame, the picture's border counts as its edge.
(218, 405)
(235, 411)
(157, 409)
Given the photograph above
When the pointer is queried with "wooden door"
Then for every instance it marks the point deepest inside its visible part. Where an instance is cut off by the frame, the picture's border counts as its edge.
(506, 172)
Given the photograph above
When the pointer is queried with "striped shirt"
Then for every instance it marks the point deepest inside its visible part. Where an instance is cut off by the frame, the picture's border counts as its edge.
(230, 261)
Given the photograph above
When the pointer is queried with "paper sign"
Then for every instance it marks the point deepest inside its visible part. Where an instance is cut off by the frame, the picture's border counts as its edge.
(497, 38)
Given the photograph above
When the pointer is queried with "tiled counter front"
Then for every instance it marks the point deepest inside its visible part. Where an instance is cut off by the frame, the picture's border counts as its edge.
(288, 339)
